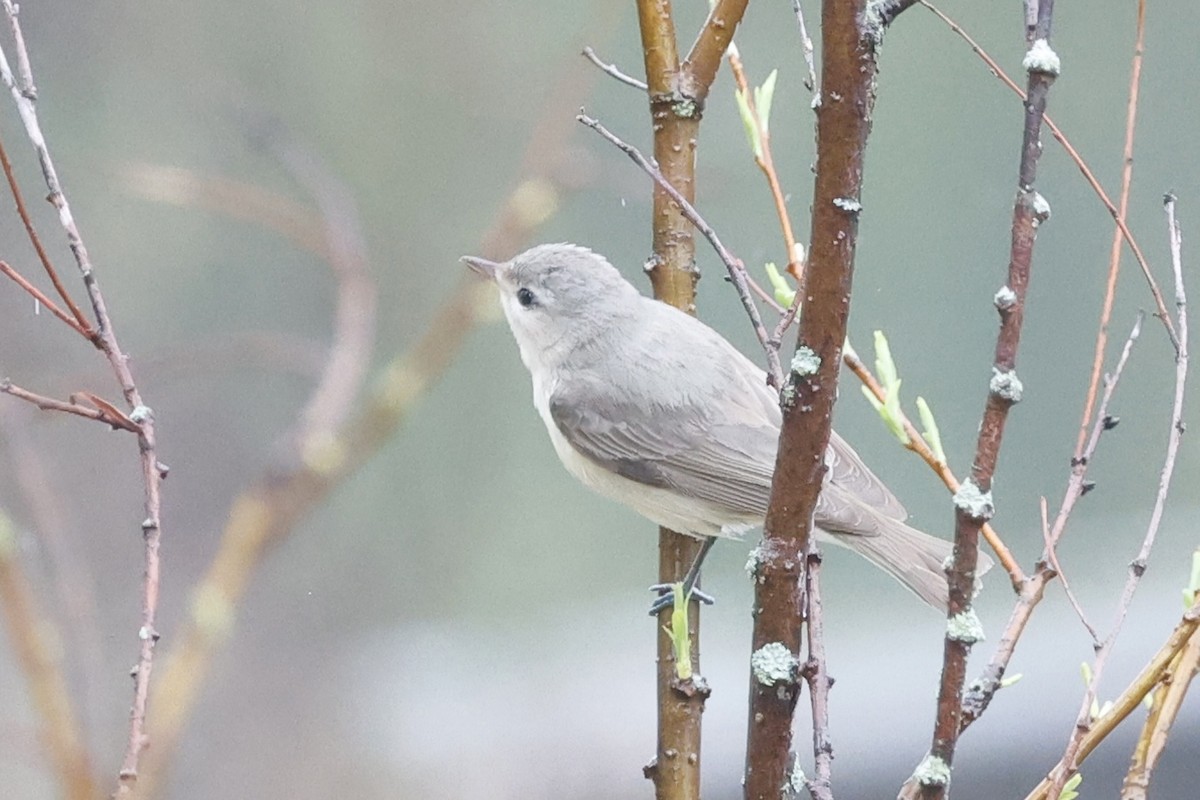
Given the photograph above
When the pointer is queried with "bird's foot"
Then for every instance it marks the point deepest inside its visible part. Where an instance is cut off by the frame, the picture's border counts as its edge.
(666, 597)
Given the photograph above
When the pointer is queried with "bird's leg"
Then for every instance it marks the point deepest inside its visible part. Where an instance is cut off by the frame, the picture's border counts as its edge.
(666, 591)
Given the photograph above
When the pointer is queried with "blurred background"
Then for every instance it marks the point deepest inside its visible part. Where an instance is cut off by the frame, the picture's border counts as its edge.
(459, 618)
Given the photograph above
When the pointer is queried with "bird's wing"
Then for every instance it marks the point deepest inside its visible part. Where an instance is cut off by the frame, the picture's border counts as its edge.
(705, 430)
(847, 471)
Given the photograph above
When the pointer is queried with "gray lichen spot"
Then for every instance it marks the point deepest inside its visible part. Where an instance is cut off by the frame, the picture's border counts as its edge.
(1006, 385)
(787, 395)
(970, 500)
(773, 663)
(816, 101)
(1040, 207)
(1005, 298)
(141, 413)
(1042, 58)
(965, 627)
(805, 361)
(797, 781)
(932, 771)
(753, 561)
(848, 204)
(684, 108)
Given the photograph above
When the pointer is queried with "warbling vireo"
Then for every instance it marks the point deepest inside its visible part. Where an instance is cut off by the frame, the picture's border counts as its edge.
(651, 407)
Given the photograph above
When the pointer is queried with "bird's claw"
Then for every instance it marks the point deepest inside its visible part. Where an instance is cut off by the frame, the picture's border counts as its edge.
(666, 597)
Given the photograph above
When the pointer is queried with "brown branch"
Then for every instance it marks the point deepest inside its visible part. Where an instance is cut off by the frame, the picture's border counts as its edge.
(1069, 762)
(1150, 677)
(973, 502)
(152, 471)
(848, 72)
(676, 95)
(1114, 257)
(1088, 176)
(40, 297)
(78, 321)
(917, 444)
(31, 633)
(733, 264)
(612, 70)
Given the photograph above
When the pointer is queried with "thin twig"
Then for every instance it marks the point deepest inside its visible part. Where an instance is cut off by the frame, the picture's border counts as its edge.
(50, 305)
(737, 270)
(810, 81)
(1114, 256)
(816, 674)
(82, 324)
(100, 413)
(1052, 556)
(766, 163)
(1069, 762)
(1088, 176)
(612, 70)
(153, 472)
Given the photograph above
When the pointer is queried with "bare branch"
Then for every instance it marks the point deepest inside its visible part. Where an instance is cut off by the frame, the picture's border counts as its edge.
(612, 70)
(100, 412)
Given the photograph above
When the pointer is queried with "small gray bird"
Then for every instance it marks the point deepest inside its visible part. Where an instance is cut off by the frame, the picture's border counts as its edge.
(651, 407)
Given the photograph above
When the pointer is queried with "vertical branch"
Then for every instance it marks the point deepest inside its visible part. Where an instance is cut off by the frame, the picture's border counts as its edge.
(152, 471)
(677, 93)
(973, 502)
(848, 68)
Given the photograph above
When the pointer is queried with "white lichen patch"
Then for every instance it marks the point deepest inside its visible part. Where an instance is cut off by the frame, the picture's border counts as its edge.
(774, 663)
(1040, 207)
(965, 627)
(753, 560)
(932, 771)
(1006, 385)
(141, 413)
(848, 204)
(1005, 298)
(1042, 58)
(805, 361)
(977, 504)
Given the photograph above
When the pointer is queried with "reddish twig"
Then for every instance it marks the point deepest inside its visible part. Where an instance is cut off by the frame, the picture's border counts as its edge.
(1114, 256)
(100, 412)
(1075, 157)
(1069, 762)
(81, 322)
(152, 471)
(50, 305)
(973, 502)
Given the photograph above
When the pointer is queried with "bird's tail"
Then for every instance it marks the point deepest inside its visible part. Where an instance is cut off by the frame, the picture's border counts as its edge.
(914, 558)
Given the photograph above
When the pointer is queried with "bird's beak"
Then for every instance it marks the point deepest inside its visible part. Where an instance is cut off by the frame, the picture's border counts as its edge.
(483, 267)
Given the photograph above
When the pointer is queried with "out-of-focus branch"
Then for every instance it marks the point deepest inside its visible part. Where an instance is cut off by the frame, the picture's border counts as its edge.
(271, 508)
(816, 674)
(31, 632)
(153, 471)
(848, 71)
(973, 501)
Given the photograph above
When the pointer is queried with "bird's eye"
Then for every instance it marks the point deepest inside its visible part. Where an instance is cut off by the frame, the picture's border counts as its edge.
(525, 297)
